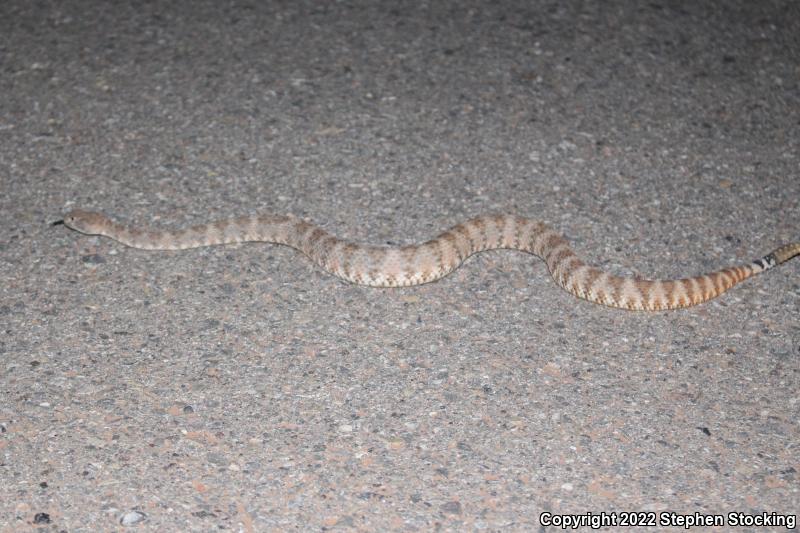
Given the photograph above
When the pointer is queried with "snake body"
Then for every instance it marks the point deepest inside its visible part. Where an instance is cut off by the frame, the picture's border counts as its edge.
(398, 266)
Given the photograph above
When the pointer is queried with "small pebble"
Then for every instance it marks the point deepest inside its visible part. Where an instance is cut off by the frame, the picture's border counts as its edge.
(452, 507)
(132, 517)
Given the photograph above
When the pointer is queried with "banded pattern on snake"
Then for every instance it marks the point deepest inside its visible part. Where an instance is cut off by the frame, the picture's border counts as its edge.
(397, 266)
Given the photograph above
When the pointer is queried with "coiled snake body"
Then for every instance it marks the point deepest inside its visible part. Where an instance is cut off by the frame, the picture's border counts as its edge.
(397, 266)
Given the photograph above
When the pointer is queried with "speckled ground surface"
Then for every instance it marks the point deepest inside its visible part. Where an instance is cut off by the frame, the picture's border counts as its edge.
(240, 389)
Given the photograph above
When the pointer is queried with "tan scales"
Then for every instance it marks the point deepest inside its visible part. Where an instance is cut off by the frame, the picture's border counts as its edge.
(399, 266)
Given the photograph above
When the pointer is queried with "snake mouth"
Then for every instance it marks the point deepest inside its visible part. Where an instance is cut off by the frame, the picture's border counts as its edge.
(57, 223)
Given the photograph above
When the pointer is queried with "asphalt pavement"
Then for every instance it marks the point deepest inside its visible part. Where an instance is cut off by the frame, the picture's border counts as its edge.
(240, 388)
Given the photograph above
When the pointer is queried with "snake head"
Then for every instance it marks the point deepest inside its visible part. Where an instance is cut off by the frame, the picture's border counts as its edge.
(88, 222)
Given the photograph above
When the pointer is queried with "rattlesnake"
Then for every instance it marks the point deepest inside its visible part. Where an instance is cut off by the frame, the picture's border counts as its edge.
(397, 266)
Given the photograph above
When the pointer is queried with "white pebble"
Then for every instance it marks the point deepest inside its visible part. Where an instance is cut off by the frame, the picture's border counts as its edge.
(132, 517)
